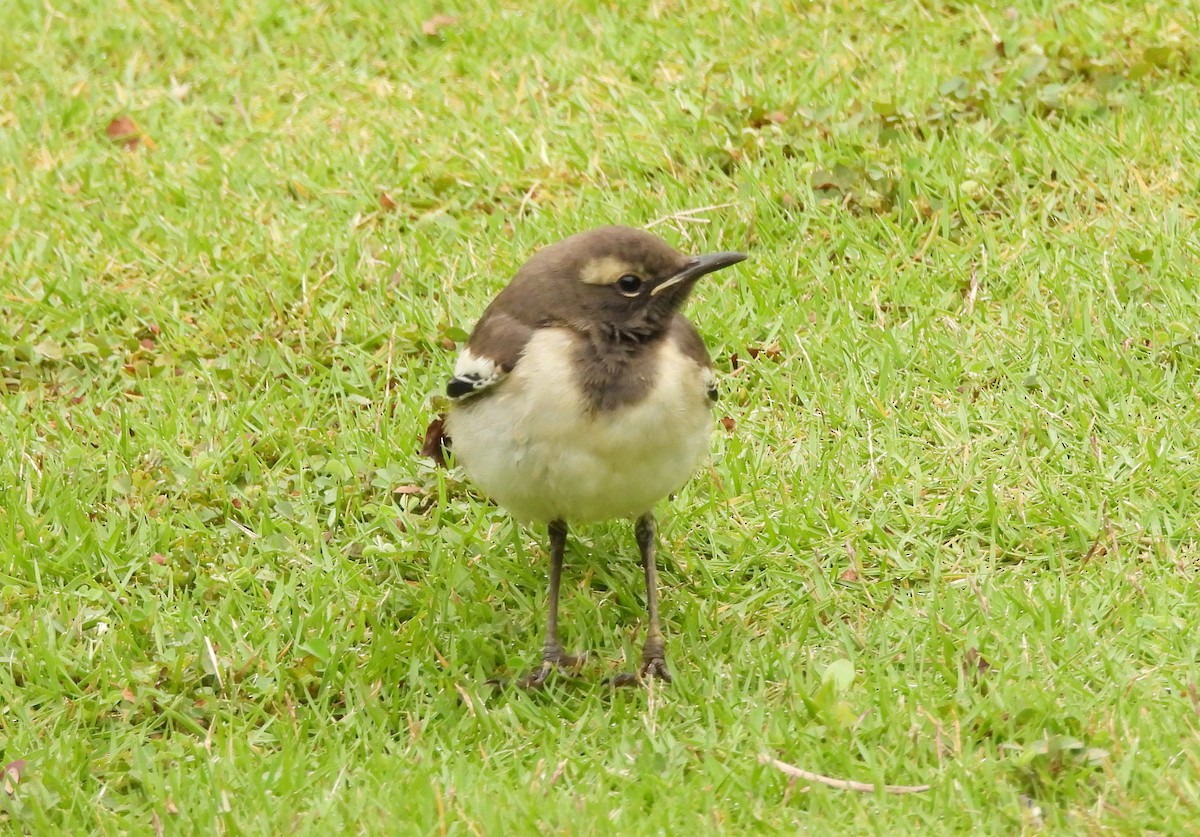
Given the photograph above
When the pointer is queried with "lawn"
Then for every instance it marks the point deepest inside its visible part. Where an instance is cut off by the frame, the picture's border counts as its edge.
(950, 533)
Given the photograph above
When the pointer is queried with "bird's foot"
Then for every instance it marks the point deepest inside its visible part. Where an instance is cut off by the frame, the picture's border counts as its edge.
(553, 658)
(654, 665)
(656, 669)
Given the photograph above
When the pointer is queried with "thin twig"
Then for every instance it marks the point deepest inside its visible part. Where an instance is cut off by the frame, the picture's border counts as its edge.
(530, 194)
(686, 214)
(840, 784)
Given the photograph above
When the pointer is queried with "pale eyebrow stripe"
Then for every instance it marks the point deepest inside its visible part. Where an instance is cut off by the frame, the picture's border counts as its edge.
(603, 271)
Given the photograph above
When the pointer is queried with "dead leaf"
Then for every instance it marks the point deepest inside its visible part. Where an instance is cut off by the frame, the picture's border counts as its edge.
(433, 27)
(974, 663)
(407, 489)
(386, 202)
(124, 131)
(159, 558)
(758, 118)
(771, 352)
(436, 441)
(178, 91)
(849, 574)
(43, 160)
(13, 771)
(728, 423)
(128, 696)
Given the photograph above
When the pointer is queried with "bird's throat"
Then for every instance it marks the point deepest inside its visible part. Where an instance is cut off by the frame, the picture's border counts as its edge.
(615, 373)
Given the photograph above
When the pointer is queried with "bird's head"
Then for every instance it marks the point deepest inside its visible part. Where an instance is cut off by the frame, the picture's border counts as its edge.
(612, 282)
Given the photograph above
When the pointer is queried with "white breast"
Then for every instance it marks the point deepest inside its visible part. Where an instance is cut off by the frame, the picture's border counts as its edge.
(534, 447)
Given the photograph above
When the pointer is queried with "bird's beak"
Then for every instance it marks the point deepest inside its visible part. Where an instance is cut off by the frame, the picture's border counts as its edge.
(697, 267)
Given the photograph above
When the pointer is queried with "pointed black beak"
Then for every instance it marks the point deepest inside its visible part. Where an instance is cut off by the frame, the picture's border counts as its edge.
(697, 267)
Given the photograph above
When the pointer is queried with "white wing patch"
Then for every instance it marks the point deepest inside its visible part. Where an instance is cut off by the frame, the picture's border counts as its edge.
(473, 374)
(710, 384)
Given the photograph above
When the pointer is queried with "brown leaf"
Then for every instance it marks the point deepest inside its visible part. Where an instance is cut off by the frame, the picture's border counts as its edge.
(759, 119)
(159, 558)
(974, 663)
(122, 128)
(386, 202)
(437, 23)
(436, 441)
(13, 771)
(407, 489)
(734, 362)
(124, 131)
(771, 352)
(128, 696)
(849, 574)
(146, 343)
(728, 423)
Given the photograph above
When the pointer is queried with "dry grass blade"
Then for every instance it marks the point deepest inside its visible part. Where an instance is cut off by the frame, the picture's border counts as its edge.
(840, 784)
(687, 215)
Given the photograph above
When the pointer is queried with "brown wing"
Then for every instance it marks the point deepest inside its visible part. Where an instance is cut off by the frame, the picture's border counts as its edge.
(491, 353)
(690, 343)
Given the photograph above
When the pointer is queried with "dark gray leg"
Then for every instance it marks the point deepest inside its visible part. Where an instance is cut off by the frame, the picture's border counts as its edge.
(654, 661)
(553, 655)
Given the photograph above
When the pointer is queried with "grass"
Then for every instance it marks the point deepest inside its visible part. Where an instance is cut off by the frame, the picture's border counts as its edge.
(951, 537)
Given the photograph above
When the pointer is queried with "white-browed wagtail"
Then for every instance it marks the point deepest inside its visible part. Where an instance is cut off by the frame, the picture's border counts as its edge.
(583, 394)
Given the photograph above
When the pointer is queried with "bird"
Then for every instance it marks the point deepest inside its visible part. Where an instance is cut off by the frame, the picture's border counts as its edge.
(582, 395)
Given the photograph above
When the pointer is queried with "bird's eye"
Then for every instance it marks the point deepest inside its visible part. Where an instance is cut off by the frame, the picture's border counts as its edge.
(629, 285)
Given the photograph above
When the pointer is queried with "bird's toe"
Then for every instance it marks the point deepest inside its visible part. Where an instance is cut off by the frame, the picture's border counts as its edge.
(657, 668)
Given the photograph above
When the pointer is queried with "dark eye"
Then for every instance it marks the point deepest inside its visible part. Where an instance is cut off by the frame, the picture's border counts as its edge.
(629, 284)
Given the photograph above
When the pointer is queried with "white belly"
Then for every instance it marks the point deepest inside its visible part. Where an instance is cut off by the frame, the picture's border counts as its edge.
(533, 448)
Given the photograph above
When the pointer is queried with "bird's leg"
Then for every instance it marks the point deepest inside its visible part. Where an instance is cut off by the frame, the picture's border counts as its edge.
(654, 661)
(553, 655)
